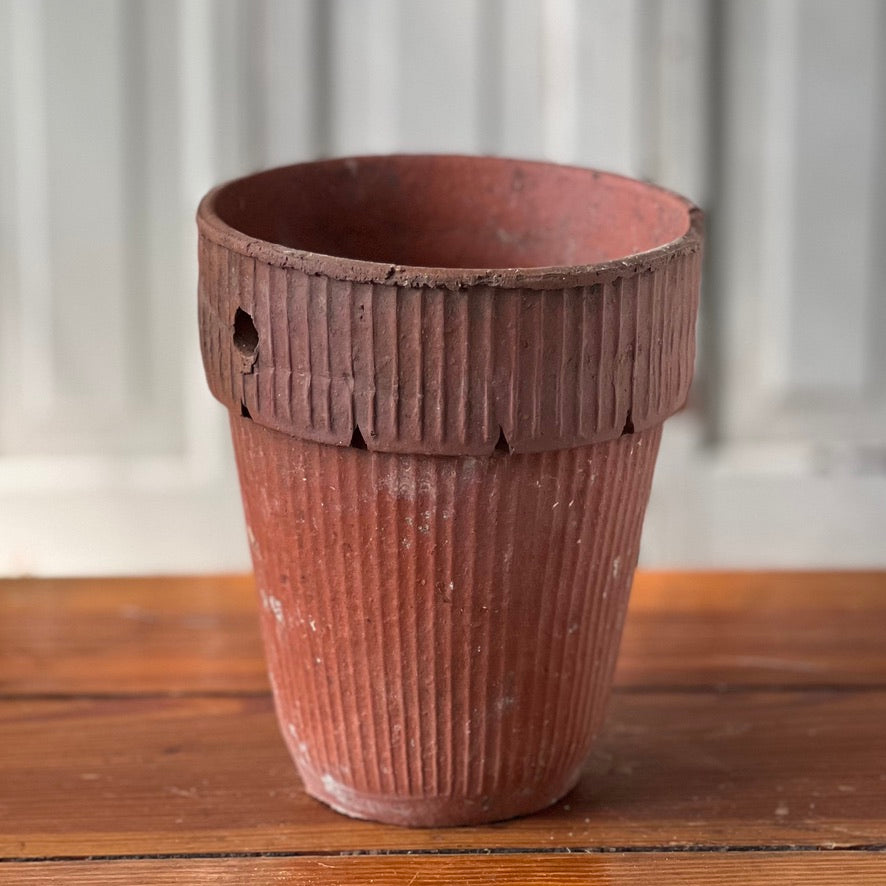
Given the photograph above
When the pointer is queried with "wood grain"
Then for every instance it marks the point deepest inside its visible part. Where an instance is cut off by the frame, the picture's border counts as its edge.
(749, 715)
(130, 636)
(200, 635)
(533, 869)
(755, 629)
(196, 775)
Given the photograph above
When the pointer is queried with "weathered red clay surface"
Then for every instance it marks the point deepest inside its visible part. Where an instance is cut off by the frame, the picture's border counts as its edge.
(455, 621)
(443, 360)
(447, 378)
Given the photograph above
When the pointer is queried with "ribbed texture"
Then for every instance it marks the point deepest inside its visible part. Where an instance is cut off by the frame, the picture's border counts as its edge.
(442, 632)
(426, 370)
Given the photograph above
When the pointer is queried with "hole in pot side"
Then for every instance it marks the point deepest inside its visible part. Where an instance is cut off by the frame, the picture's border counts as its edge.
(245, 333)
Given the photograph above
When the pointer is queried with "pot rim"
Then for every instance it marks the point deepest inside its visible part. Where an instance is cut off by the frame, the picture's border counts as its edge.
(220, 232)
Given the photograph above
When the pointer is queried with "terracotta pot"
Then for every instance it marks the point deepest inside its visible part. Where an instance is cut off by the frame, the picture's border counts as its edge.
(447, 378)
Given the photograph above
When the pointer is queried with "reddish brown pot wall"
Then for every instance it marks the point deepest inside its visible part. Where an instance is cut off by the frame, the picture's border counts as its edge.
(447, 378)
(441, 632)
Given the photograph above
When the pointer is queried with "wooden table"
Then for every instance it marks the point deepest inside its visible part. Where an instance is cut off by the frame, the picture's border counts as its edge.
(746, 743)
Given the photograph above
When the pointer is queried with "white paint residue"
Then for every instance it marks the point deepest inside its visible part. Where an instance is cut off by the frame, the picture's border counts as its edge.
(335, 788)
(616, 567)
(313, 625)
(505, 702)
(403, 484)
(301, 749)
(781, 810)
(277, 608)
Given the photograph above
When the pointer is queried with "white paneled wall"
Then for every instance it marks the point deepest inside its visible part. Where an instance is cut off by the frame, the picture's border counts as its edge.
(116, 115)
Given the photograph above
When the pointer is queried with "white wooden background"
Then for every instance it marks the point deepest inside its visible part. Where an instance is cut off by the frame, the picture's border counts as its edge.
(116, 115)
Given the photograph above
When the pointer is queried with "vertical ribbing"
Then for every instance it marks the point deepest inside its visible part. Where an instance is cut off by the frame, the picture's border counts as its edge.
(658, 322)
(246, 287)
(278, 294)
(643, 357)
(434, 363)
(583, 603)
(444, 573)
(374, 726)
(471, 598)
(557, 597)
(365, 396)
(470, 427)
(615, 335)
(383, 674)
(581, 394)
(324, 369)
(497, 569)
(481, 317)
(229, 371)
(506, 566)
(392, 540)
(325, 669)
(408, 333)
(341, 360)
(267, 332)
(421, 379)
(436, 617)
(439, 371)
(536, 345)
(464, 555)
(599, 335)
(566, 379)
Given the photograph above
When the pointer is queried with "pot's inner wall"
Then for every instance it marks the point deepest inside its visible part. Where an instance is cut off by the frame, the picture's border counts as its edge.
(453, 212)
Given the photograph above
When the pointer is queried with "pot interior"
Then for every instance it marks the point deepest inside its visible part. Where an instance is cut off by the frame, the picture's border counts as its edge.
(453, 212)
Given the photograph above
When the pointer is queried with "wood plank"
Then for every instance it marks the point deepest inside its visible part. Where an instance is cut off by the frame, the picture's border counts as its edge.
(191, 635)
(90, 777)
(663, 869)
(130, 635)
(755, 629)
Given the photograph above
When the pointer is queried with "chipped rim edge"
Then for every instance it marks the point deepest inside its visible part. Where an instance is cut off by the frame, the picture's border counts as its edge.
(213, 228)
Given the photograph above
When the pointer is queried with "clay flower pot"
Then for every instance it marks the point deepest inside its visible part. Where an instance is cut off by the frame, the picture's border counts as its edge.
(447, 378)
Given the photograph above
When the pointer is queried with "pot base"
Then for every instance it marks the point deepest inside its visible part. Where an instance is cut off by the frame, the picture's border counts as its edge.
(427, 812)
